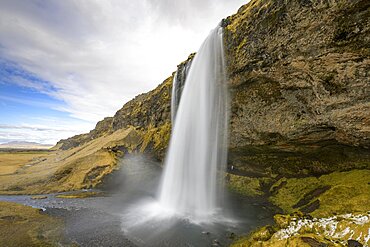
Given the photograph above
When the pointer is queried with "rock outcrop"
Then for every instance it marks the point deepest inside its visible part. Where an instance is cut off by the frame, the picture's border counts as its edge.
(299, 75)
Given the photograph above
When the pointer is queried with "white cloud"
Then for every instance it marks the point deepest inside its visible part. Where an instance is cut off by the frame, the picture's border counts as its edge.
(100, 54)
(51, 131)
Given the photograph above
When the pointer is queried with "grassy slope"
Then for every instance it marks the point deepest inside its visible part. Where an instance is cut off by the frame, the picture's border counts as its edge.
(80, 167)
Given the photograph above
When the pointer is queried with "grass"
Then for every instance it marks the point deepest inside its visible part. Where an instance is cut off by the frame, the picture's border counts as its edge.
(25, 226)
(11, 161)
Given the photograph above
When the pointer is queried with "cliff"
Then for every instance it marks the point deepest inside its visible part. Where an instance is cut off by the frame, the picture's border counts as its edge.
(299, 74)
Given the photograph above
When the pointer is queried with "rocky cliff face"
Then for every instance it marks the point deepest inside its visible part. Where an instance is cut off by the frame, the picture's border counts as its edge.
(299, 79)
(299, 75)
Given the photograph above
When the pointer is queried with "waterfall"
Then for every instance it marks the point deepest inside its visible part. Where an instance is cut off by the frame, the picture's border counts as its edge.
(197, 149)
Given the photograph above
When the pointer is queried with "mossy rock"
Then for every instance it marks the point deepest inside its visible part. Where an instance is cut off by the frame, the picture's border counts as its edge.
(298, 230)
(246, 186)
(282, 221)
(351, 189)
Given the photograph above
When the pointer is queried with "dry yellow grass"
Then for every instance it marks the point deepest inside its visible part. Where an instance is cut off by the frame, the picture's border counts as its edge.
(10, 162)
(74, 169)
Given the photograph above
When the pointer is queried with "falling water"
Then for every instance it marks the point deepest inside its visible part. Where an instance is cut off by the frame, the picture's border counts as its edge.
(197, 149)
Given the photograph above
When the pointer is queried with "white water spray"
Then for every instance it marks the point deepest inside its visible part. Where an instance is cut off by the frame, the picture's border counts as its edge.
(197, 149)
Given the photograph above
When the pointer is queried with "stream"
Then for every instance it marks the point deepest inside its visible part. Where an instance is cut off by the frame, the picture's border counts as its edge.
(126, 213)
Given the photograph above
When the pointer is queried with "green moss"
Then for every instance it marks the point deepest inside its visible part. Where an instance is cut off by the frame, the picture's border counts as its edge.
(292, 192)
(261, 234)
(241, 45)
(158, 137)
(238, 19)
(351, 189)
(246, 185)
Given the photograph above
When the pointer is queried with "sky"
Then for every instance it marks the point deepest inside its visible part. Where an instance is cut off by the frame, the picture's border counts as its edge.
(64, 65)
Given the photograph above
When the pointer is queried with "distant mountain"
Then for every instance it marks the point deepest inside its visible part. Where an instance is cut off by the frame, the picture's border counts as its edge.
(25, 145)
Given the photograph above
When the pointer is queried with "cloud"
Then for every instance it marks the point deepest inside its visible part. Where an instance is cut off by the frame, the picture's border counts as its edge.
(97, 55)
(41, 133)
(35, 128)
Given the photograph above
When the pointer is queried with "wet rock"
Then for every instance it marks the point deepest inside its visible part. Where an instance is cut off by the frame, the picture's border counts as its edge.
(311, 207)
(353, 243)
(313, 242)
(232, 235)
(215, 243)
